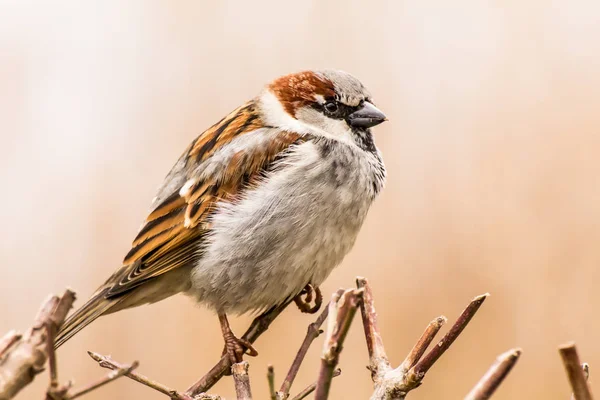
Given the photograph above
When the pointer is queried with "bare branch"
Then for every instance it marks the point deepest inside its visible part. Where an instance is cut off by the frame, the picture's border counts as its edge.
(575, 373)
(65, 302)
(586, 373)
(50, 335)
(257, 328)
(271, 381)
(107, 362)
(241, 380)
(488, 384)
(461, 323)
(423, 343)
(111, 376)
(24, 357)
(342, 308)
(378, 360)
(395, 383)
(312, 333)
(311, 388)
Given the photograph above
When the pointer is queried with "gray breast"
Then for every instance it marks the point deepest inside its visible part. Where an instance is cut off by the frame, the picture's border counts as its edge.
(292, 229)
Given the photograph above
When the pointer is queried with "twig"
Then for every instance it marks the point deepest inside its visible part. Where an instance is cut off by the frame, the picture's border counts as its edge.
(241, 380)
(271, 381)
(586, 373)
(107, 362)
(461, 323)
(311, 388)
(111, 376)
(395, 383)
(257, 328)
(488, 384)
(575, 373)
(312, 333)
(25, 357)
(378, 360)
(50, 335)
(423, 343)
(342, 308)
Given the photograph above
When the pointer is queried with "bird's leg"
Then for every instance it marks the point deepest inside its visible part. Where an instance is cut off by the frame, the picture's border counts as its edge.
(234, 346)
(304, 304)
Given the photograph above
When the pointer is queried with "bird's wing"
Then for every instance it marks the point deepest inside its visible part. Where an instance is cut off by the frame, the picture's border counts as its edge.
(216, 167)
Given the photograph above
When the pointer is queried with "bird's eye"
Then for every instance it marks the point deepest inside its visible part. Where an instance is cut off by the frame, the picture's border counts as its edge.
(331, 106)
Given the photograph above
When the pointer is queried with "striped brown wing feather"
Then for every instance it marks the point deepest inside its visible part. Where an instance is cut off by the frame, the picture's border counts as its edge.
(171, 233)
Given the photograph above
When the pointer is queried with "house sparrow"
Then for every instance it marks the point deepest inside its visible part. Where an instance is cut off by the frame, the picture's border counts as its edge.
(264, 202)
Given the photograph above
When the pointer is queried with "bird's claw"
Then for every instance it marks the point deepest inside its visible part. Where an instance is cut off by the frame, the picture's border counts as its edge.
(304, 304)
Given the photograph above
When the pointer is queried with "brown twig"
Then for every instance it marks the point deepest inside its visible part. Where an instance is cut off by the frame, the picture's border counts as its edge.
(461, 323)
(271, 381)
(378, 360)
(575, 373)
(311, 388)
(24, 357)
(586, 373)
(50, 335)
(423, 343)
(395, 383)
(312, 333)
(241, 380)
(342, 308)
(257, 328)
(107, 362)
(111, 376)
(488, 384)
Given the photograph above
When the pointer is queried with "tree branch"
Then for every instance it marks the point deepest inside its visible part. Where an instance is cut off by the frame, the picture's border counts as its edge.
(111, 376)
(395, 383)
(421, 368)
(271, 381)
(575, 372)
(488, 384)
(107, 362)
(241, 380)
(257, 328)
(342, 308)
(24, 357)
(311, 388)
(312, 333)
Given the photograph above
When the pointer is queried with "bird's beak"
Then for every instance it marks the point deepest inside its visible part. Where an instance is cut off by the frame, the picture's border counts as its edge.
(366, 116)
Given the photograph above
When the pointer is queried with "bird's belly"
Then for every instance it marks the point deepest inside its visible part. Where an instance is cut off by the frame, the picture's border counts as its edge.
(291, 230)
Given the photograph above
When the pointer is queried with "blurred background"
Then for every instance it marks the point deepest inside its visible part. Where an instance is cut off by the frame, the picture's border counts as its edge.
(491, 149)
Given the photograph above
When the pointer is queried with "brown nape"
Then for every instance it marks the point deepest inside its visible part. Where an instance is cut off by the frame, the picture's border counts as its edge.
(298, 90)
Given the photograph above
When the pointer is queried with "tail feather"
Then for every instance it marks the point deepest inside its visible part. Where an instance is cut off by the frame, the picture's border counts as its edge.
(92, 309)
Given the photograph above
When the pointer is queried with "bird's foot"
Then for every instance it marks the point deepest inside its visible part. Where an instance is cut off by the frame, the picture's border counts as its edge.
(304, 304)
(235, 347)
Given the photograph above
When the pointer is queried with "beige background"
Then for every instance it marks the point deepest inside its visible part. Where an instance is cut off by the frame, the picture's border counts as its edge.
(492, 153)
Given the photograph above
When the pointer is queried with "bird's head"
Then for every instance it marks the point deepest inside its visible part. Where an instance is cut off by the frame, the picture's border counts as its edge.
(327, 103)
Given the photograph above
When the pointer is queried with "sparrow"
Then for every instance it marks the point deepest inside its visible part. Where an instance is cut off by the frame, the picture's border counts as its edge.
(263, 203)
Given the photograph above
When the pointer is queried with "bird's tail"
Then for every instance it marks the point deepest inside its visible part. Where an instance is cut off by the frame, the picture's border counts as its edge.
(96, 306)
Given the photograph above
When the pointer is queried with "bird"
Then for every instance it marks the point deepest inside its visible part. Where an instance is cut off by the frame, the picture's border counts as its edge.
(263, 203)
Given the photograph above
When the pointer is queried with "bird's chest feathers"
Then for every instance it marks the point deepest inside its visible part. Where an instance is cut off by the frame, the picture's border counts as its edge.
(294, 227)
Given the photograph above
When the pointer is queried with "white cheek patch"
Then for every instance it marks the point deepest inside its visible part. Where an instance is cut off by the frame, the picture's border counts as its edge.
(322, 125)
(309, 121)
